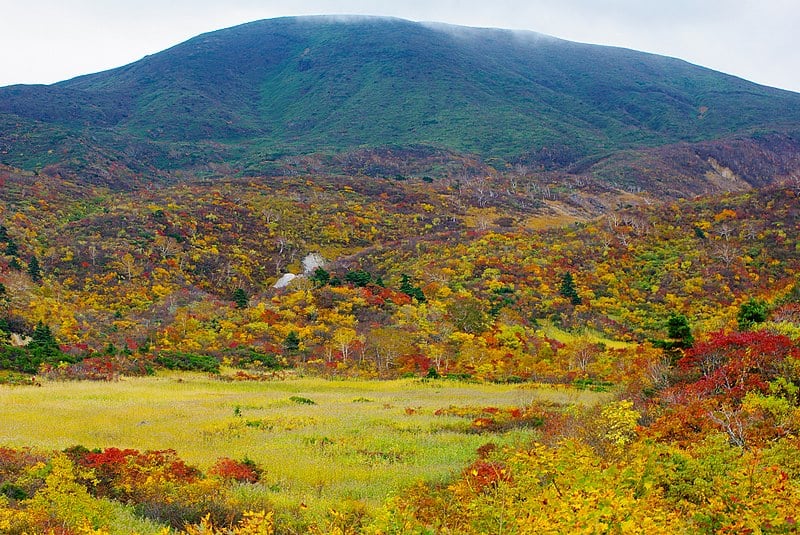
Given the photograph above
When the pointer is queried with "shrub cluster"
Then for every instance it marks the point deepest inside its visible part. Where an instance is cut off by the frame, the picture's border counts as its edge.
(73, 490)
(188, 362)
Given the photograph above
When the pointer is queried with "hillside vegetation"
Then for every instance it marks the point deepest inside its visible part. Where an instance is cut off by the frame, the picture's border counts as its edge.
(253, 98)
(427, 264)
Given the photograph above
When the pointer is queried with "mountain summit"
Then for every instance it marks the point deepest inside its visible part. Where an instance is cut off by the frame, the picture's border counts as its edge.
(250, 95)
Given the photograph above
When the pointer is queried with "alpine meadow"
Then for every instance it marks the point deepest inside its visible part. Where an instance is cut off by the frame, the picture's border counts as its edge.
(365, 275)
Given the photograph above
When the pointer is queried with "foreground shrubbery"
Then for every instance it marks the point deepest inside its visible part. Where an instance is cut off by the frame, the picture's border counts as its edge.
(78, 491)
(606, 478)
(572, 488)
(719, 455)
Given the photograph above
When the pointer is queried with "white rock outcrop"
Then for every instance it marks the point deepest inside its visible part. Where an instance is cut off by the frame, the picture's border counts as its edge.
(284, 281)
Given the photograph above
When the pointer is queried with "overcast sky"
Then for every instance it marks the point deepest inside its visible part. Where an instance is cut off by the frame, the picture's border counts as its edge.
(45, 41)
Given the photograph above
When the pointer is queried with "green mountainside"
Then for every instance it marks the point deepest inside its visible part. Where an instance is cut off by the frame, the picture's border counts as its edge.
(251, 98)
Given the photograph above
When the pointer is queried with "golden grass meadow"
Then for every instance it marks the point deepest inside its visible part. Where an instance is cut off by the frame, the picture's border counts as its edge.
(359, 442)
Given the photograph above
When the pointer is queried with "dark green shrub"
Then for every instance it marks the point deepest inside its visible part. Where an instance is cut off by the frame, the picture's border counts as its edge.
(752, 312)
(248, 357)
(358, 277)
(188, 362)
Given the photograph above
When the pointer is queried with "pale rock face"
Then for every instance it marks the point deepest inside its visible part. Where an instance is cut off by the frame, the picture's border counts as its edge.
(284, 281)
(313, 261)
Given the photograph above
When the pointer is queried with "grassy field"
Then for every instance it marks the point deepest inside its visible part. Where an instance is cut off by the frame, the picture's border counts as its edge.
(358, 442)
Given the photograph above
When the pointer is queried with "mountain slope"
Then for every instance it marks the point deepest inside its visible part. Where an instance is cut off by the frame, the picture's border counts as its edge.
(255, 92)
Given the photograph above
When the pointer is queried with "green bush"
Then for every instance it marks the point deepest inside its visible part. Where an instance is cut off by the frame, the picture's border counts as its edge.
(752, 312)
(188, 362)
(247, 357)
(358, 277)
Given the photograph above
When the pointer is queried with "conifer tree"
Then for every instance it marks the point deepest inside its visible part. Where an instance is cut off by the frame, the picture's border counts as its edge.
(34, 270)
(410, 290)
(678, 330)
(292, 342)
(320, 277)
(568, 289)
(11, 248)
(43, 343)
(240, 298)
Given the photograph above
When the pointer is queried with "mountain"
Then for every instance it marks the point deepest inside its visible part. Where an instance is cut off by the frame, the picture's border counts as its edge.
(251, 98)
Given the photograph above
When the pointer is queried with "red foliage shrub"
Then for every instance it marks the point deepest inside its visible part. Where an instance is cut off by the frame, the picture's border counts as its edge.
(119, 472)
(494, 419)
(230, 470)
(109, 466)
(414, 363)
(682, 425)
(13, 462)
(733, 364)
(97, 369)
(486, 450)
(717, 374)
(482, 475)
(483, 423)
